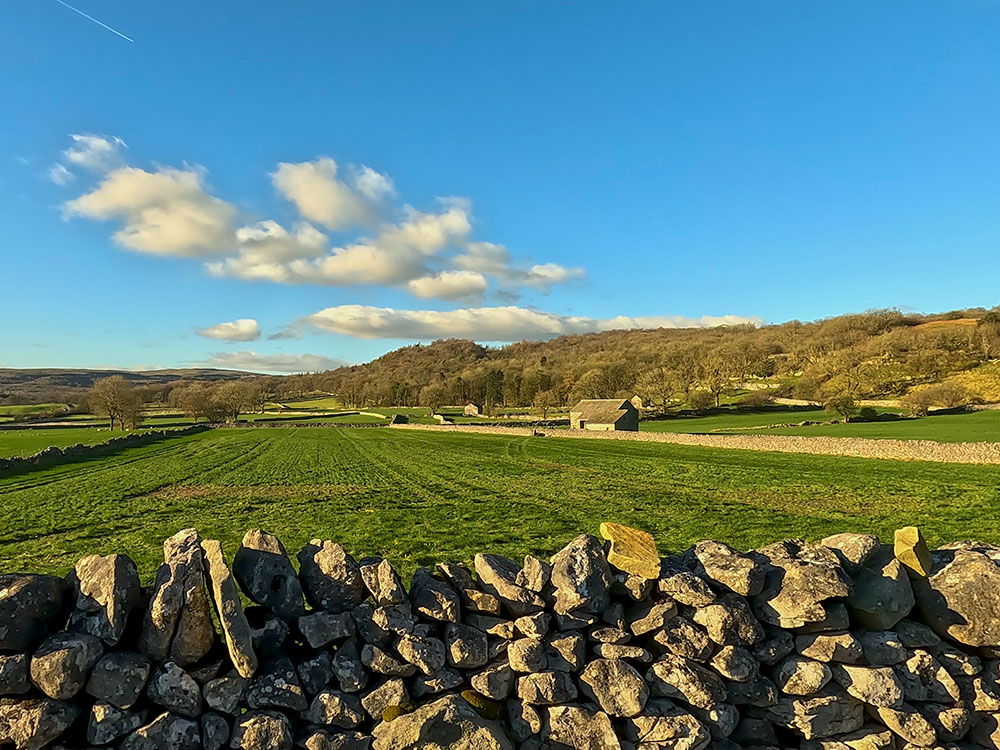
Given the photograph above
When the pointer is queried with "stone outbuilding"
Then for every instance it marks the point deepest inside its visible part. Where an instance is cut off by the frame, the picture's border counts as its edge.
(604, 415)
(473, 410)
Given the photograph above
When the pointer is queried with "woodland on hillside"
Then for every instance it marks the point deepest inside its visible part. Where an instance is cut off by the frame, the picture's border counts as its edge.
(837, 361)
(876, 354)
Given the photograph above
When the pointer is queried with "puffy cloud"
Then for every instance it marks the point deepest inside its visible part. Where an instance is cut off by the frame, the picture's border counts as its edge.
(375, 186)
(99, 153)
(398, 254)
(508, 323)
(244, 329)
(495, 260)
(320, 196)
(60, 175)
(450, 285)
(166, 212)
(276, 363)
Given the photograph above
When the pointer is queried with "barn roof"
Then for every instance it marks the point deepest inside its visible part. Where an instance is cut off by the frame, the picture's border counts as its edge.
(601, 410)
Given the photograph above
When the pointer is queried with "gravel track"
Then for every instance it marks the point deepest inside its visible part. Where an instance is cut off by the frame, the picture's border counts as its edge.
(898, 450)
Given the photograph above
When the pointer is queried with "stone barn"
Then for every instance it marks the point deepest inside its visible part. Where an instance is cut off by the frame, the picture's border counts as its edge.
(604, 415)
(473, 410)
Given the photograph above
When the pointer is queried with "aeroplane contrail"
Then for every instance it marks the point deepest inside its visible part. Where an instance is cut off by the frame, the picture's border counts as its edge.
(99, 23)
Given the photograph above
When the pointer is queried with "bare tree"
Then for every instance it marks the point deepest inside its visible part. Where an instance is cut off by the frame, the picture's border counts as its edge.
(115, 398)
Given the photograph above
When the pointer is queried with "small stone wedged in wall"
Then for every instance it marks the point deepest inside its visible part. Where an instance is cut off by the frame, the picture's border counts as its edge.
(845, 644)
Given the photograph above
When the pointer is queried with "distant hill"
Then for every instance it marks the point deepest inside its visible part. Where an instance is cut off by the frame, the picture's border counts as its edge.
(69, 385)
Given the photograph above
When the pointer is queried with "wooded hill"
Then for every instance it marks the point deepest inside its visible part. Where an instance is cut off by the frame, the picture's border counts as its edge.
(879, 353)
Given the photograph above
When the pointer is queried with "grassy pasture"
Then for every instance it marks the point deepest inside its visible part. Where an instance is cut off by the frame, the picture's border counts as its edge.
(976, 426)
(26, 442)
(736, 420)
(417, 497)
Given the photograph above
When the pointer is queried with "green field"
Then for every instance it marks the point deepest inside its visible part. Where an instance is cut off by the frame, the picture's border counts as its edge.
(26, 442)
(417, 497)
(735, 420)
(975, 426)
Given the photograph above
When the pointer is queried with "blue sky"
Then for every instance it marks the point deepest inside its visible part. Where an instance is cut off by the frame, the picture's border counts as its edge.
(285, 186)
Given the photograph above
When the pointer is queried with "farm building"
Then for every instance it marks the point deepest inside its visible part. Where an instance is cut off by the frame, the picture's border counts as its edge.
(604, 414)
(473, 410)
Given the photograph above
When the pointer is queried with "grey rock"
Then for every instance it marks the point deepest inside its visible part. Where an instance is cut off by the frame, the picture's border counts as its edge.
(881, 647)
(580, 727)
(876, 686)
(798, 675)
(495, 681)
(664, 724)
(165, 731)
(728, 569)
(175, 690)
(498, 576)
(266, 575)
(684, 638)
(881, 594)
(425, 653)
(276, 685)
(384, 663)
(826, 714)
(581, 576)
(60, 665)
(14, 674)
(323, 628)
(262, 730)
(527, 655)
(840, 647)
(107, 723)
(434, 599)
(334, 708)
(466, 646)
(30, 607)
(729, 622)
(330, 577)
(315, 672)
(546, 688)
(924, 679)
(178, 621)
(799, 578)
(107, 590)
(215, 731)
(615, 685)
(118, 678)
(565, 652)
(348, 669)
(445, 679)
(392, 692)
(734, 663)
(852, 549)
(32, 723)
(225, 694)
(229, 607)
(678, 678)
(448, 723)
(908, 723)
(650, 616)
(382, 580)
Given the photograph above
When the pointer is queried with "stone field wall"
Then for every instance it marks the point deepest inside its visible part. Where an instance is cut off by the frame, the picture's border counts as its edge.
(848, 644)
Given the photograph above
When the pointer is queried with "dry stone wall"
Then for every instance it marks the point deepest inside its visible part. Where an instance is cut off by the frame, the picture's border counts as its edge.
(847, 644)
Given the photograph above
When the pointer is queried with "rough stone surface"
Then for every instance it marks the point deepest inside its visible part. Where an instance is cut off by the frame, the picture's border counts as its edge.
(449, 723)
(266, 575)
(106, 590)
(31, 607)
(330, 577)
(178, 622)
(825, 650)
(226, 596)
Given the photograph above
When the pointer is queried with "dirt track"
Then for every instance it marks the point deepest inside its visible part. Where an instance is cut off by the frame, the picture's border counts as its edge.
(900, 450)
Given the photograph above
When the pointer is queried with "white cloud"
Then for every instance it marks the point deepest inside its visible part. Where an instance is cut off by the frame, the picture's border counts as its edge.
(60, 175)
(495, 260)
(99, 153)
(398, 254)
(243, 329)
(273, 363)
(485, 323)
(450, 285)
(373, 185)
(319, 195)
(166, 212)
